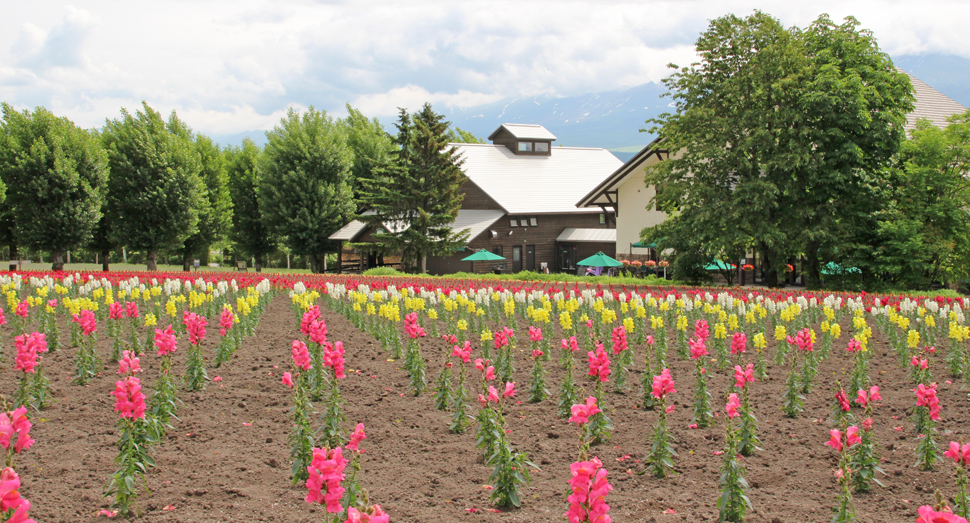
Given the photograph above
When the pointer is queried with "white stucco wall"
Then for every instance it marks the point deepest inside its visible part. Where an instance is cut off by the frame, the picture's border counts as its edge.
(634, 197)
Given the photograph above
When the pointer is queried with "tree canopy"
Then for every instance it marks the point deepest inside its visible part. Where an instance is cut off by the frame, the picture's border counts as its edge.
(155, 188)
(305, 187)
(249, 235)
(774, 131)
(56, 174)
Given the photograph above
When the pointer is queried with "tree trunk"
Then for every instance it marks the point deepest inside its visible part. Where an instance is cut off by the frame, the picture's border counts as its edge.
(314, 264)
(811, 270)
(57, 260)
(186, 262)
(105, 263)
(259, 263)
(124, 255)
(424, 263)
(769, 275)
(151, 261)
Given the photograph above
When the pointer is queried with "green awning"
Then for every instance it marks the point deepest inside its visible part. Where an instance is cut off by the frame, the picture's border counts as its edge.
(719, 265)
(641, 245)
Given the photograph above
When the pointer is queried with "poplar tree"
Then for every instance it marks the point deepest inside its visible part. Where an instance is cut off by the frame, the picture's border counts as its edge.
(416, 196)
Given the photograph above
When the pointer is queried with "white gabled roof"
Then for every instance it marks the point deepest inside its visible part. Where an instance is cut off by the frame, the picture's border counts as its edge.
(525, 131)
(571, 234)
(473, 219)
(931, 104)
(537, 184)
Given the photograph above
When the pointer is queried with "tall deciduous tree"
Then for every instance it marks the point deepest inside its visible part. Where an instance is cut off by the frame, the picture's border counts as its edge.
(305, 189)
(416, 197)
(370, 144)
(56, 173)
(154, 188)
(248, 234)
(774, 131)
(215, 209)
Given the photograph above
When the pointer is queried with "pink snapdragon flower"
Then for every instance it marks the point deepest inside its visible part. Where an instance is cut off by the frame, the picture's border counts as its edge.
(373, 515)
(571, 344)
(301, 356)
(486, 369)
(739, 343)
(732, 406)
(843, 400)
(29, 347)
(165, 341)
(743, 376)
(854, 345)
(326, 471)
(23, 309)
(864, 398)
(129, 363)
(835, 440)
(589, 488)
(663, 384)
(492, 395)
(698, 349)
(196, 325)
(581, 412)
(131, 309)
(87, 321)
(15, 424)
(852, 436)
(509, 391)
(802, 340)
(960, 455)
(464, 352)
(309, 317)
(926, 397)
(356, 437)
(411, 326)
(599, 363)
(535, 334)
(10, 493)
(701, 330)
(288, 379)
(922, 363)
(116, 311)
(129, 399)
(226, 320)
(333, 357)
(318, 331)
(619, 340)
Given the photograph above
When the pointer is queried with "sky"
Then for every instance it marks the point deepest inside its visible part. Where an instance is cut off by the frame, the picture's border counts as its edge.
(234, 66)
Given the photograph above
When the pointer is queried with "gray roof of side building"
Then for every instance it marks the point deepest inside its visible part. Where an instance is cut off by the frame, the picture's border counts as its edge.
(931, 104)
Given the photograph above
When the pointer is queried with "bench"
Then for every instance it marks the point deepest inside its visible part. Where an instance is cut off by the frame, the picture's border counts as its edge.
(241, 266)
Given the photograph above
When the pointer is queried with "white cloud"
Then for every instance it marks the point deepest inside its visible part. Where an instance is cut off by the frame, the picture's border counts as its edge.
(225, 63)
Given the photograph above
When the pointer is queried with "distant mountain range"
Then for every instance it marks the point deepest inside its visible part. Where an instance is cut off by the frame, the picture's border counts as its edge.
(613, 119)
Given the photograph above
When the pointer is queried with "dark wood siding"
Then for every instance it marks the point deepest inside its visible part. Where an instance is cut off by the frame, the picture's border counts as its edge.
(476, 198)
(543, 236)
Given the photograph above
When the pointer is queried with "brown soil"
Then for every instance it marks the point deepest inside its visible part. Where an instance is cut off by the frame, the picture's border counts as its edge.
(227, 459)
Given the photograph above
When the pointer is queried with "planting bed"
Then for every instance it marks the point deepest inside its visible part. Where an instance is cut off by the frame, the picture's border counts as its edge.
(227, 458)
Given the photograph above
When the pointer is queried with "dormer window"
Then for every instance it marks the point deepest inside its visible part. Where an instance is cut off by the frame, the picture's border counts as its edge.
(524, 139)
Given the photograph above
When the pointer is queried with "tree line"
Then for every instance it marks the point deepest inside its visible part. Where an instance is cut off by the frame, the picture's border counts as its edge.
(155, 186)
(790, 143)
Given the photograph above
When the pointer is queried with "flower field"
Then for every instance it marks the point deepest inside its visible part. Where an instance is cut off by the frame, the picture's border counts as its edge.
(311, 398)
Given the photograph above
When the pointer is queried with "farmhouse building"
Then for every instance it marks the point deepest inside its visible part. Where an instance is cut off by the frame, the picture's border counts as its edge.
(519, 203)
(624, 190)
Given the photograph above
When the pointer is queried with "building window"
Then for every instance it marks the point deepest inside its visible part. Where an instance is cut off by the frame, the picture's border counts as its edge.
(525, 147)
(513, 222)
(602, 219)
(497, 250)
(534, 222)
(542, 147)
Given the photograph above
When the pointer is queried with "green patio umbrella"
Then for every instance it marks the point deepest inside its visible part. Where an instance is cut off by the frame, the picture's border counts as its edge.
(718, 265)
(481, 255)
(600, 260)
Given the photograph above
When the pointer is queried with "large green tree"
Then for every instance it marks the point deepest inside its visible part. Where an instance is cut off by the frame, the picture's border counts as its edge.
(56, 173)
(155, 189)
(416, 196)
(215, 209)
(370, 144)
(775, 129)
(305, 188)
(248, 234)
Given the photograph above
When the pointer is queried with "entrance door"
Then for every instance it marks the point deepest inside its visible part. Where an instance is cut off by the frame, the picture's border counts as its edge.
(530, 258)
(517, 258)
(567, 258)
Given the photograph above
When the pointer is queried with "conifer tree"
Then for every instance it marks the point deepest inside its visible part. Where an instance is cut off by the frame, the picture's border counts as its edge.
(416, 196)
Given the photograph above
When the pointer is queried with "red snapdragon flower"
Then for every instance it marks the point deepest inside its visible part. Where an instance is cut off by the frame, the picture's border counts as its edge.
(165, 341)
(663, 384)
